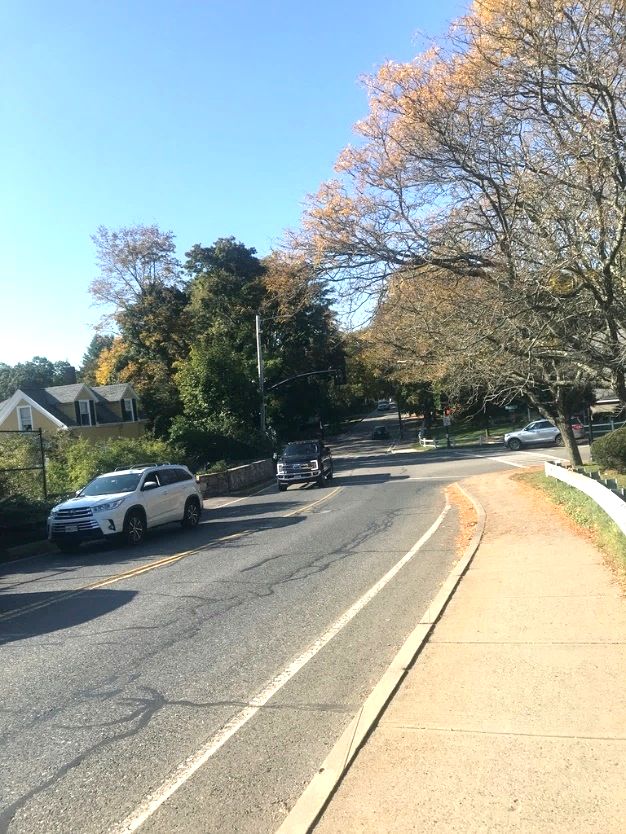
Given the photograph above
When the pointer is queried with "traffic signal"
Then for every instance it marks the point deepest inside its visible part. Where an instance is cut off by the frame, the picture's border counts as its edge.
(448, 412)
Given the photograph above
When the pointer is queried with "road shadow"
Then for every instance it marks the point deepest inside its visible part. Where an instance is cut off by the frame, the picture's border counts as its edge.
(33, 614)
(159, 542)
(363, 480)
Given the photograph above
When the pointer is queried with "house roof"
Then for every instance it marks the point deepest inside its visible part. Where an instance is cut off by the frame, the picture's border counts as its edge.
(49, 400)
(114, 393)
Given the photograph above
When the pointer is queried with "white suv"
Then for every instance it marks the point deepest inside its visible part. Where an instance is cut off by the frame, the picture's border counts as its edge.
(125, 503)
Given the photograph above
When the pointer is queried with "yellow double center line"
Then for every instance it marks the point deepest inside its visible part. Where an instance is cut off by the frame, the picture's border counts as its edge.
(160, 563)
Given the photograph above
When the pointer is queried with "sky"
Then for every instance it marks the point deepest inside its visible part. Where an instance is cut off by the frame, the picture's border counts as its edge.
(211, 119)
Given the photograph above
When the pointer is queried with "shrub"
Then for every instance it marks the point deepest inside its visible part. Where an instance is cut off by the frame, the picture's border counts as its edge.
(74, 461)
(20, 466)
(610, 451)
(202, 448)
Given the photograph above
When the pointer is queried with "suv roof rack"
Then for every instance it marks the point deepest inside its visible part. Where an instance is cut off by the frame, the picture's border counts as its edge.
(140, 466)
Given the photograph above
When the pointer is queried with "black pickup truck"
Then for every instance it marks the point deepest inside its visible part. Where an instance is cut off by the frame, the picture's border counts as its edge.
(304, 461)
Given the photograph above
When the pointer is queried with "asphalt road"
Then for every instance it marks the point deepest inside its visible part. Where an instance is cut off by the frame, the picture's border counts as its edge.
(196, 683)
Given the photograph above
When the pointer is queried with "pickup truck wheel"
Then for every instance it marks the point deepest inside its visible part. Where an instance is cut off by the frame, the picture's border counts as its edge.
(330, 474)
(134, 528)
(282, 487)
(321, 481)
(192, 513)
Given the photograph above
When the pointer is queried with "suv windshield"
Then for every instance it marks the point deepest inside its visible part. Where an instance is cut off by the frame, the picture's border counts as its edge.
(293, 450)
(109, 484)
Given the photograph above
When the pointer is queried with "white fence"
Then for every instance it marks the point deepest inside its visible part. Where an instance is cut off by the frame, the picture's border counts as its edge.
(611, 503)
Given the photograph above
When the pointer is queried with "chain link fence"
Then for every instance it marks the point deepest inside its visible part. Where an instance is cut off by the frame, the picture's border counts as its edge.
(22, 464)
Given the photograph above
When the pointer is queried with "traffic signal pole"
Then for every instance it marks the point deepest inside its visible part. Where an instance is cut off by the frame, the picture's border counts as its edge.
(259, 354)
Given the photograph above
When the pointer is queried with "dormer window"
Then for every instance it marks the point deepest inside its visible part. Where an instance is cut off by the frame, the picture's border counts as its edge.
(25, 418)
(129, 410)
(85, 413)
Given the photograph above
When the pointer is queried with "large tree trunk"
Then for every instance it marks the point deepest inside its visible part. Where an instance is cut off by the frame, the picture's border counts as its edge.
(564, 425)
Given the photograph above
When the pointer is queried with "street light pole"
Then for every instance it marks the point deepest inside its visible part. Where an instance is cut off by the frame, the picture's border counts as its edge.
(259, 356)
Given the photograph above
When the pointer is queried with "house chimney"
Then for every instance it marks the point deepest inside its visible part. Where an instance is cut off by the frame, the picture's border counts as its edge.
(69, 375)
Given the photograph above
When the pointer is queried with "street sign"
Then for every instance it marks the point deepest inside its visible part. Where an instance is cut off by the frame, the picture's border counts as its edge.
(447, 421)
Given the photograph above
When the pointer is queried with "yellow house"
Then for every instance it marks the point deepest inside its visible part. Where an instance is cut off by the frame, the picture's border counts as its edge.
(98, 413)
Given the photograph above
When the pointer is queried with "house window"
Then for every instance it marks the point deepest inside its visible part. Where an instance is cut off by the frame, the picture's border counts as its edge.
(85, 413)
(129, 410)
(25, 418)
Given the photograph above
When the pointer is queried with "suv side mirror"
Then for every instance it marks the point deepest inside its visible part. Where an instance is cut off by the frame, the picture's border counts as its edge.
(149, 485)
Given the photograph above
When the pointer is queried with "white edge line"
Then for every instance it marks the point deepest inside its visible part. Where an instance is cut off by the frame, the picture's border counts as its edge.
(508, 462)
(187, 768)
(314, 799)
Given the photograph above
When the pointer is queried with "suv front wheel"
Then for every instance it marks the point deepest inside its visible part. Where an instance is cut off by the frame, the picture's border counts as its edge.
(134, 528)
(191, 517)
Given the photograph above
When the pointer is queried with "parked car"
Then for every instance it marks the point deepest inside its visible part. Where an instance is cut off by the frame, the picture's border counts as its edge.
(380, 433)
(304, 461)
(383, 405)
(540, 432)
(125, 503)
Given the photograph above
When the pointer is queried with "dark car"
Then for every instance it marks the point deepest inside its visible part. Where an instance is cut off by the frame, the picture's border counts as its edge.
(304, 461)
(380, 433)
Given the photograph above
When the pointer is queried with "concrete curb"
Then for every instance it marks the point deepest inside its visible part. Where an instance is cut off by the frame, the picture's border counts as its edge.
(316, 796)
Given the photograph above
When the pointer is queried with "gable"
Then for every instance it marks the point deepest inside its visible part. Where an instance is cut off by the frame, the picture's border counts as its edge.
(22, 398)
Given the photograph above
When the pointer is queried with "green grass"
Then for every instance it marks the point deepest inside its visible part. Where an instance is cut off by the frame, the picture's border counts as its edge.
(604, 473)
(585, 512)
(469, 434)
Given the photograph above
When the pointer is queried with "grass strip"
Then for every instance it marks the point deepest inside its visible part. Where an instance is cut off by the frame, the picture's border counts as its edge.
(604, 532)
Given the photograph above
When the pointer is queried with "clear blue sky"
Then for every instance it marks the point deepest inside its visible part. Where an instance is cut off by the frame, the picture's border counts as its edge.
(210, 118)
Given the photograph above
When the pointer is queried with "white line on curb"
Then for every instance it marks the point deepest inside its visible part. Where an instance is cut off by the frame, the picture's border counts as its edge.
(194, 762)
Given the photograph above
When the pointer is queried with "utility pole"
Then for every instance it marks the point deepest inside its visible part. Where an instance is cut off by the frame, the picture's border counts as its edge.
(259, 355)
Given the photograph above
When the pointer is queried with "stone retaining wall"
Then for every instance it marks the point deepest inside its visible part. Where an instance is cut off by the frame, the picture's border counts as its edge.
(233, 480)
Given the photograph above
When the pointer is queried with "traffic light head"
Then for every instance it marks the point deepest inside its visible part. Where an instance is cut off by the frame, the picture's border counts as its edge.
(448, 412)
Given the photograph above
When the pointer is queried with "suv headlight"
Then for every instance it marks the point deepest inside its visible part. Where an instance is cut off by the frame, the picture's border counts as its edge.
(107, 506)
(54, 511)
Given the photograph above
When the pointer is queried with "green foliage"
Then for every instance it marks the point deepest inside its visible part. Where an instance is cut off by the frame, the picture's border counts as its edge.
(226, 292)
(38, 373)
(20, 452)
(610, 451)
(89, 366)
(74, 461)
(217, 391)
(203, 448)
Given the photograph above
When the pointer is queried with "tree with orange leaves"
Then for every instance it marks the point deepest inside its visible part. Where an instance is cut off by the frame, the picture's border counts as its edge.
(492, 170)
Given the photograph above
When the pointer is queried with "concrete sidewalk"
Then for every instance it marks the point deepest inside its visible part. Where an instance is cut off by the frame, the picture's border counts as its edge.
(513, 716)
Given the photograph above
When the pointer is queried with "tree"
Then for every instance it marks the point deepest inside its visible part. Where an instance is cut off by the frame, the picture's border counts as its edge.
(88, 368)
(300, 335)
(39, 372)
(226, 291)
(217, 392)
(492, 174)
(132, 261)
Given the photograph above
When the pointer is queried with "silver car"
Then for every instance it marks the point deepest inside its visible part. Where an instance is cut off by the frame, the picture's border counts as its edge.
(540, 432)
